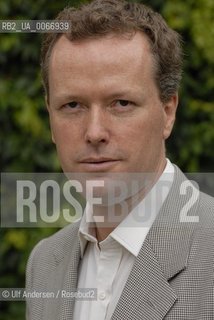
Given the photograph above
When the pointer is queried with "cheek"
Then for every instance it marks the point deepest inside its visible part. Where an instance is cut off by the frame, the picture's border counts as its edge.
(64, 133)
(66, 138)
(143, 138)
(143, 130)
(66, 145)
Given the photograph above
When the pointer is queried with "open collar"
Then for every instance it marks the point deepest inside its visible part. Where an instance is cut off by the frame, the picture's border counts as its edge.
(147, 293)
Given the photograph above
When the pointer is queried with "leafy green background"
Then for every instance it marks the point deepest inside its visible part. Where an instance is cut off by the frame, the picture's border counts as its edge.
(25, 137)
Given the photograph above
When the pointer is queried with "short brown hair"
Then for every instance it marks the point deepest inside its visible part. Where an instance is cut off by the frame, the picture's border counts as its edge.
(102, 17)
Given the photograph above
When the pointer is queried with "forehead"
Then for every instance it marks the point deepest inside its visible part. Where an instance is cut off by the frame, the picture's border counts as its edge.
(97, 67)
(100, 52)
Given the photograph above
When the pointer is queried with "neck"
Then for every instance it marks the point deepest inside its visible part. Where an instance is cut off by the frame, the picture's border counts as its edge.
(113, 215)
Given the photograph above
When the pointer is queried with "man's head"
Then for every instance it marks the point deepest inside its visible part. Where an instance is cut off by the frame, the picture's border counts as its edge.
(111, 87)
(102, 17)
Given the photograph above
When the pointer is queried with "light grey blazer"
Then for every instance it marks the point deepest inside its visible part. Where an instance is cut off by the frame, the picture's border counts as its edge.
(172, 277)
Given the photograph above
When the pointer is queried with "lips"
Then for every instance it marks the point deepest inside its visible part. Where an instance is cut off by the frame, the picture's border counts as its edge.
(97, 160)
(98, 164)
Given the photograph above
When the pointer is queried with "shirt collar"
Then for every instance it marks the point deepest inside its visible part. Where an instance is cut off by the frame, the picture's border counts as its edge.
(87, 229)
(132, 231)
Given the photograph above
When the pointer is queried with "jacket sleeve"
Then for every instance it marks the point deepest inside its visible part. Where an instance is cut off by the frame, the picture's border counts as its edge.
(29, 286)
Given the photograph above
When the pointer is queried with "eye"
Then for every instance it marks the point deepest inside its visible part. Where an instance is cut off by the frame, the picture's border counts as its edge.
(72, 104)
(123, 103)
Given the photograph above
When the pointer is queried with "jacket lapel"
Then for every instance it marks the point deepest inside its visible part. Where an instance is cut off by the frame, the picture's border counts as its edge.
(70, 283)
(63, 277)
(147, 294)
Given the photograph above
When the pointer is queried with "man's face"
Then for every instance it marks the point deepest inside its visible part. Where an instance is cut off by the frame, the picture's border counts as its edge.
(105, 111)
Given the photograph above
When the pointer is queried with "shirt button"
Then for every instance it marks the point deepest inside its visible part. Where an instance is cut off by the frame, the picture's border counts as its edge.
(102, 295)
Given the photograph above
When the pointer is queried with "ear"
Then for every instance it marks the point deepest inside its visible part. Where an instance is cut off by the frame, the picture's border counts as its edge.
(48, 108)
(170, 108)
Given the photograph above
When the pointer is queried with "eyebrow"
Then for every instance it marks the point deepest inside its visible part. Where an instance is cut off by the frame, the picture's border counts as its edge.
(71, 97)
(66, 96)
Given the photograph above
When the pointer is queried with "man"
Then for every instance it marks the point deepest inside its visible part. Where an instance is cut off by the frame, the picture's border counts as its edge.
(111, 88)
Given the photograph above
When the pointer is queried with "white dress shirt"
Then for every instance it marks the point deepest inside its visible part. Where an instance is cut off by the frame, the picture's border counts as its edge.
(107, 266)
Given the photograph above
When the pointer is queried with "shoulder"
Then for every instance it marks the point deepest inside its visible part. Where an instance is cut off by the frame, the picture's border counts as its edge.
(206, 209)
(190, 191)
(207, 200)
(58, 240)
(62, 238)
(50, 251)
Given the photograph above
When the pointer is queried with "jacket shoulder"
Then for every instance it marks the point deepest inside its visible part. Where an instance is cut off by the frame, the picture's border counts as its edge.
(50, 251)
(206, 209)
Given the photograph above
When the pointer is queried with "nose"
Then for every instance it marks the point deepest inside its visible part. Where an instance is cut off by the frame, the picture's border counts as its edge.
(97, 131)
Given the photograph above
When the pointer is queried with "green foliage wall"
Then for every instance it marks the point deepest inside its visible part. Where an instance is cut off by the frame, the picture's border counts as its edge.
(25, 140)
(193, 139)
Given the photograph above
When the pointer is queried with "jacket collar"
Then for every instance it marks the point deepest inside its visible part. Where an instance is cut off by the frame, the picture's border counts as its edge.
(147, 293)
(66, 251)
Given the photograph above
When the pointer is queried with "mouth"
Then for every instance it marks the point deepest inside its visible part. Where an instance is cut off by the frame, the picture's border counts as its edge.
(98, 164)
